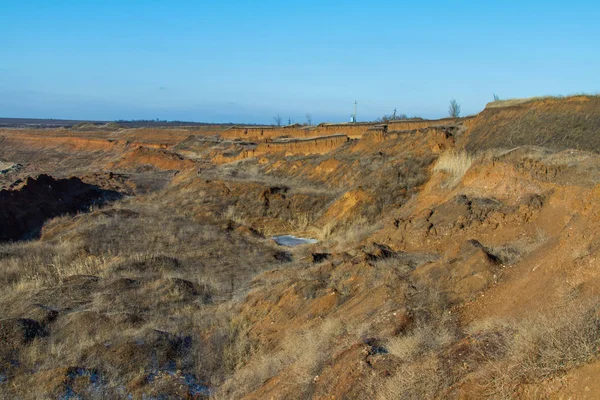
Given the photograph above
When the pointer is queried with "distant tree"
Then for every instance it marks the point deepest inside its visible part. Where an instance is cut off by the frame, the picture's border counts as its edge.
(277, 120)
(289, 120)
(454, 109)
(496, 97)
(308, 119)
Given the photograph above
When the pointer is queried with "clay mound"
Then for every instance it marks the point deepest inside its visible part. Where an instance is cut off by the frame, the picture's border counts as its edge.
(555, 123)
(25, 208)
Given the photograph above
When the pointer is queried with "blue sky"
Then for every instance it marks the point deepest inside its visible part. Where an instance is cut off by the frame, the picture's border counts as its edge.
(246, 61)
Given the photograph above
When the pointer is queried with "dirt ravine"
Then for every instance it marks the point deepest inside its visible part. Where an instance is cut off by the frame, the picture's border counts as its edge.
(451, 259)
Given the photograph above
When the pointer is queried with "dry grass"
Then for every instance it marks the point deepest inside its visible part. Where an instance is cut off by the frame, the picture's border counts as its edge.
(155, 283)
(536, 348)
(299, 358)
(232, 214)
(423, 379)
(303, 220)
(32, 265)
(516, 102)
(505, 354)
(423, 371)
(569, 123)
(341, 236)
(139, 307)
(424, 339)
(455, 164)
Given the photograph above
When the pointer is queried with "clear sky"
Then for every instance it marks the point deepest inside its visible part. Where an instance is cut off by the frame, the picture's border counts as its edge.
(246, 61)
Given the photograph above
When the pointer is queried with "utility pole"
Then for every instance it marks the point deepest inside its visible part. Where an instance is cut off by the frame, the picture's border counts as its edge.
(353, 117)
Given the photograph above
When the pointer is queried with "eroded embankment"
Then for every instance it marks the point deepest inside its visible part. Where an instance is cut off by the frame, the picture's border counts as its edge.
(67, 153)
(143, 157)
(353, 131)
(283, 148)
(157, 138)
(17, 140)
(268, 133)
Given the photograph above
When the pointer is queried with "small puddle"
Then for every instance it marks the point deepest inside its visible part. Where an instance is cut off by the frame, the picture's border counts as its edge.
(291, 241)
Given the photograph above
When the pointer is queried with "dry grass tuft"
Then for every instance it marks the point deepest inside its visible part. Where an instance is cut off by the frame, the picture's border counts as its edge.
(423, 379)
(424, 339)
(234, 215)
(455, 164)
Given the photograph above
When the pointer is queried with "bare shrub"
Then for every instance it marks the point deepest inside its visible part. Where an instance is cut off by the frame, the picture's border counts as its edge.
(454, 109)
